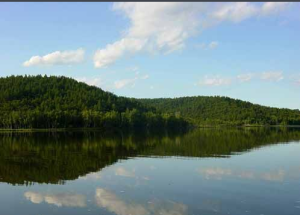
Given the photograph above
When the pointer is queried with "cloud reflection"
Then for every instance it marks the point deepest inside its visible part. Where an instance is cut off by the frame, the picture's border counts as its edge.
(278, 175)
(92, 176)
(123, 172)
(215, 173)
(61, 199)
(219, 173)
(111, 202)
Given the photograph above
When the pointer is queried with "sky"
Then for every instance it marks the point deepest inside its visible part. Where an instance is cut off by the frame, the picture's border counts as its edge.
(247, 51)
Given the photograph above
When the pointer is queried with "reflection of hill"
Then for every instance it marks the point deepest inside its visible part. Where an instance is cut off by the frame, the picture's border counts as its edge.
(53, 158)
(56, 157)
(221, 142)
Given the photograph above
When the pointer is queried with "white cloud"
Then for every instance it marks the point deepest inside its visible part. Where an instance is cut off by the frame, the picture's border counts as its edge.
(213, 45)
(294, 78)
(215, 81)
(274, 7)
(57, 58)
(165, 26)
(120, 171)
(124, 82)
(209, 46)
(91, 81)
(154, 26)
(272, 76)
(112, 52)
(245, 77)
(239, 11)
(201, 46)
(118, 84)
(145, 77)
(242, 78)
(134, 68)
(108, 200)
(62, 199)
(235, 12)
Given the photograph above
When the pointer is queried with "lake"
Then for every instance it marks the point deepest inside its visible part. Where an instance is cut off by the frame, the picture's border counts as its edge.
(205, 171)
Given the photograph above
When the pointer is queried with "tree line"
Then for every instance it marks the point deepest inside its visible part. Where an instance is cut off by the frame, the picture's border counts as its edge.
(217, 110)
(59, 102)
(28, 102)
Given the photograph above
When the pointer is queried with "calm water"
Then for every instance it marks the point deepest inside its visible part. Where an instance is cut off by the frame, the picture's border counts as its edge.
(208, 171)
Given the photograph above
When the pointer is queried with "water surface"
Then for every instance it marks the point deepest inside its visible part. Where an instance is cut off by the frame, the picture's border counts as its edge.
(207, 171)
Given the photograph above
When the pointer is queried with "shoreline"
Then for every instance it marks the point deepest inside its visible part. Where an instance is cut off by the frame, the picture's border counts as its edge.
(114, 129)
(49, 129)
(249, 126)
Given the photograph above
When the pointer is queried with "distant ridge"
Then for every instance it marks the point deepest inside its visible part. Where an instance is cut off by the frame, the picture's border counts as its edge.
(217, 110)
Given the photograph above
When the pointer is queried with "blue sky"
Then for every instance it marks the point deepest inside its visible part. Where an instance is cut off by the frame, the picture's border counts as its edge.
(248, 51)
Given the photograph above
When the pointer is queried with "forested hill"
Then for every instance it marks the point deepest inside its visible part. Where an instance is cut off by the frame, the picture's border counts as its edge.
(60, 102)
(215, 110)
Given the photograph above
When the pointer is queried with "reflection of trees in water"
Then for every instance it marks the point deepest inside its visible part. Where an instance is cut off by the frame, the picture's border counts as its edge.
(222, 142)
(55, 157)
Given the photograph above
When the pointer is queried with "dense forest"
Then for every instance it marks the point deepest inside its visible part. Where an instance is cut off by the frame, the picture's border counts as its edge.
(60, 102)
(54, 157)
(28, 102)
(216, 110)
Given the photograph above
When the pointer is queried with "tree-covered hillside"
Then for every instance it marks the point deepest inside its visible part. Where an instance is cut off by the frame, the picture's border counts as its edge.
(60, 102)
(216, 110)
